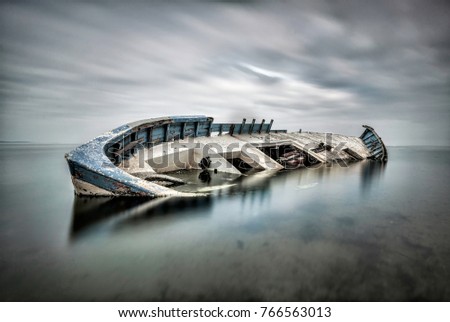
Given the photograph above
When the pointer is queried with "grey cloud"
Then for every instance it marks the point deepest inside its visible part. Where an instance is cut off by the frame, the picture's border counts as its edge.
(70, 71)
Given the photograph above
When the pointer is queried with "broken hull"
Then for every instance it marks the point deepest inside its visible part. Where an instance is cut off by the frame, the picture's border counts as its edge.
(132, 160)
(374, 144)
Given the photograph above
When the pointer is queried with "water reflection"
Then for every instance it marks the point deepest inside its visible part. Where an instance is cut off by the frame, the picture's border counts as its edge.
(88, 212)
(253, 190)
(371, 172)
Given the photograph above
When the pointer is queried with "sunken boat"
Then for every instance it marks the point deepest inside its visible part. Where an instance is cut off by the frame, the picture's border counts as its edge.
(137, 159)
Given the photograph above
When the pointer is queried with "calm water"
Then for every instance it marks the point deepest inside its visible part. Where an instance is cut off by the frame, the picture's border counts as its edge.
(367, 232)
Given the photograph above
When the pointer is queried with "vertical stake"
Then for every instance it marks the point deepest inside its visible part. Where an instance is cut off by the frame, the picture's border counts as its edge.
(183, 129)
(196, 129)
(231, 129)
(166, 132)
(242, 126)
(261, 126)
(209, 128)
(270, 126)
(250, 131)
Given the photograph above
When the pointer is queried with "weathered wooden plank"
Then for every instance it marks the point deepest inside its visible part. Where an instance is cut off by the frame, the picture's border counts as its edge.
(244, 128)
(353, 154)
(130, 146)
(158, 134)
(265, 128)
(189, 130)
(174, 132)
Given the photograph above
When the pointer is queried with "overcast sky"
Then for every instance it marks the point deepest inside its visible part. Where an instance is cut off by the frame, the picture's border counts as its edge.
(70, 71)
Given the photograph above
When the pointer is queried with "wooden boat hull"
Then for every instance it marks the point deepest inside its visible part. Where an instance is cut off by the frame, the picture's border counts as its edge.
(132, 159)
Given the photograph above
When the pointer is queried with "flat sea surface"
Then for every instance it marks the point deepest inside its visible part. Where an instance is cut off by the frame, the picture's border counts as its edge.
(368, 232)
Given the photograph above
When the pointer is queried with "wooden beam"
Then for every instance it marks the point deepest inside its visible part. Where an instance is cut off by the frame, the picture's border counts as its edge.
(261, 126)
(250, 131)
(231, 129)
(270, 126)
(209, 128)
(166, 132)
(242, 126)
(183, 128)
(129, 146)
(149, 135)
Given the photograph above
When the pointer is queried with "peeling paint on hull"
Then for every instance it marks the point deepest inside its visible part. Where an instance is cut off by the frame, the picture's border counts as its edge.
(99, 167)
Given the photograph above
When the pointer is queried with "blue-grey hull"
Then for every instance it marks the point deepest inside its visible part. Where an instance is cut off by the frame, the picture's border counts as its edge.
(374, 143)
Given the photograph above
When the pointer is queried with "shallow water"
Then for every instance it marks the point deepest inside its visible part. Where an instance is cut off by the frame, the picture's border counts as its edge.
(366, 232)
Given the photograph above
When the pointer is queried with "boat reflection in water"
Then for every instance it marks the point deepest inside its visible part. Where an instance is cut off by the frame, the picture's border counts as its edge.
(90, 212)
(371, 173)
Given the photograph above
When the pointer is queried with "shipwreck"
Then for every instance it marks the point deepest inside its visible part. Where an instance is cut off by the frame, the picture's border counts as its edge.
(137, 159)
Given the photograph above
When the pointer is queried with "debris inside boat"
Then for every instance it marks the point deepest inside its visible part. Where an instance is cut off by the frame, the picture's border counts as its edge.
(146, 158)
